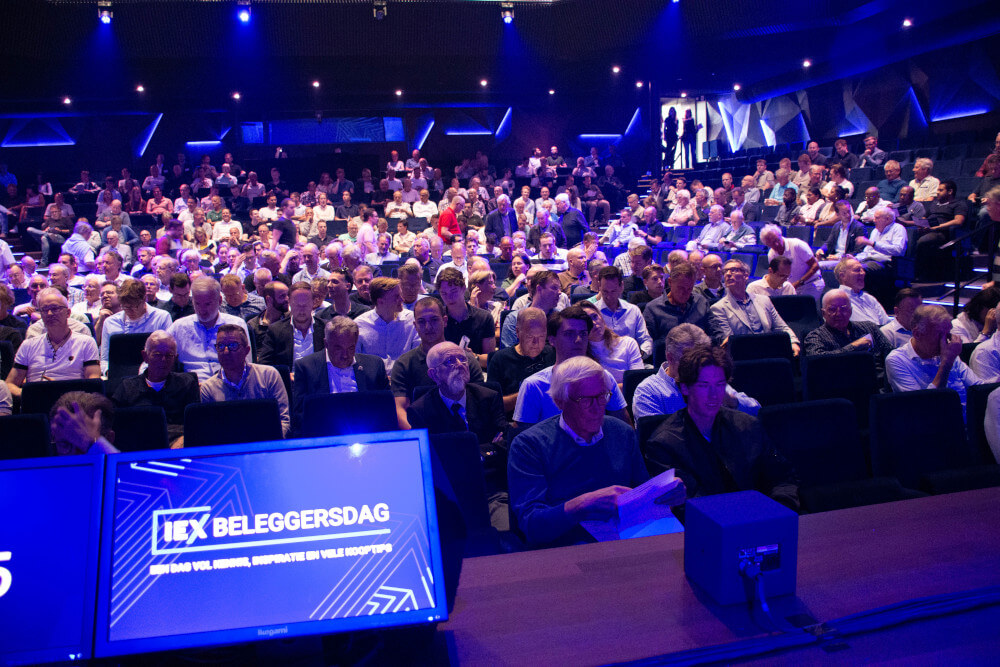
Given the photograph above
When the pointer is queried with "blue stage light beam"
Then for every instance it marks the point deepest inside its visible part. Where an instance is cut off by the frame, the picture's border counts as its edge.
(503, 129)
(422, 136)
(148, 136)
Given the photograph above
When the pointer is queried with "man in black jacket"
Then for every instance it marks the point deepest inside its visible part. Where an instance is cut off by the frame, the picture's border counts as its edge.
(336, 368)
(158, 385)
(288, 340)
(715, 449)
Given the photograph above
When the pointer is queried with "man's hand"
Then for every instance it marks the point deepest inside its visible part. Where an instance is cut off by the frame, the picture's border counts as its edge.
(76, 428)
(675, 496)
(795, 349)
(991, 322)
(950, 348)
(862, 343)
(597, 505)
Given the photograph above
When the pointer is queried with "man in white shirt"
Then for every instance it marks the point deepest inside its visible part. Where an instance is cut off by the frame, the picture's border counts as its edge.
(321, 211)
(624, 318)
(424, 208)
(404, 239)
(711, 235)
(59, 354)
(866, 209)
(775, 281)
(311, 268)
(865, 308)
(383, 252)
(387, 331)
(134, 317)
(196, 334)
(924, 185)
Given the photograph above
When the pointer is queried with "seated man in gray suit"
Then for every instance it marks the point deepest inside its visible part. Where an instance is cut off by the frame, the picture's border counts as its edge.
(336, 368)
(739, 313)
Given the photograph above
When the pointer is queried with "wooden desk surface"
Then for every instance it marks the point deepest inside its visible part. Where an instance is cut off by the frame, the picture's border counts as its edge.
(617, 601)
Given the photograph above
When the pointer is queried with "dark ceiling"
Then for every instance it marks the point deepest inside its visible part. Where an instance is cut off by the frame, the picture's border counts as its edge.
(188, 52)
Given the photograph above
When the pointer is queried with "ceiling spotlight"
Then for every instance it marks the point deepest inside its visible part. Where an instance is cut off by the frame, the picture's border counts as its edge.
(104, 12)
(736, 86)
(638, 84)
(907, 23)
(507, 12)
(551, 91)
(315, 84)
(683, 94)
(243, 10)
(67, 101)
(236, 96)
(140, 88)
(807, 63)
(379, 9)
(616, 69)
(399, 93)
(483, 83)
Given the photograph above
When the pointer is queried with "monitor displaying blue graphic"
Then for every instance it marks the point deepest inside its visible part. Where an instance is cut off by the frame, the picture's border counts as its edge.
(248, 542)
(48, 557)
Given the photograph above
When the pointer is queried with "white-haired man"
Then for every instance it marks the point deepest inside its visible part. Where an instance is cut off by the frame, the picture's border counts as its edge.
(572, 221)
(196, 334)
(572, 466)
(805, 275)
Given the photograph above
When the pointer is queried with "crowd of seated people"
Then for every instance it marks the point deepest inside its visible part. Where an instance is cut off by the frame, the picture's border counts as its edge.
(297, 297)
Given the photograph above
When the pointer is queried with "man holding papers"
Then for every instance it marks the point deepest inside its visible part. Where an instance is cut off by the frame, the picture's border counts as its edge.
(573, 466)
(714, 449)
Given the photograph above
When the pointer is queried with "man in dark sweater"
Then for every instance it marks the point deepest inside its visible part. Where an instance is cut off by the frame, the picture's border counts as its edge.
(513, 365)
(572, 467)
(158, 385)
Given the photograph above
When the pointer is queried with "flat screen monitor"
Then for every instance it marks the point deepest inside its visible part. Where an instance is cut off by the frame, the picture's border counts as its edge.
(50, 511)
(242, 543)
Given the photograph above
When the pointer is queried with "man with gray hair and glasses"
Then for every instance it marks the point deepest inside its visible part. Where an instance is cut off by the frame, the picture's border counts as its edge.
(572, 467)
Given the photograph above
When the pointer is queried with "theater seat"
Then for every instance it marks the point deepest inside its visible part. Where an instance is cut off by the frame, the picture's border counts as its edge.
(631, 380)
(231, 422)
(799, 312)
(348, 413)
(822, 442)
(39, 397)
(24, 436)
(760, 346)
(851, 375)
(770, 381)
(461, 461)
(919, 438)
(124, 358)
(140, 428)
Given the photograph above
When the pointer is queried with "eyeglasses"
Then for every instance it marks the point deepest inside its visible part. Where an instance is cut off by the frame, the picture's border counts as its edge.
(231, 346)
(51, 310)
(591, 401)
(161, 356)
(452, 362)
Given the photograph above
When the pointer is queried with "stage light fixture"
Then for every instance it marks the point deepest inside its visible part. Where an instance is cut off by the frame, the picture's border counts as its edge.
(399, 93)
(483, 83)
(807, 63)
(552, 92)
(616, 69)
(243, 10)
(736, 86)
(379, 9)
(237, 96)
(140, 88)
(638, 84)
(315, 84)
(683, 94)
(907, 23)
(507, 12)
(67, 101)
(104, 12)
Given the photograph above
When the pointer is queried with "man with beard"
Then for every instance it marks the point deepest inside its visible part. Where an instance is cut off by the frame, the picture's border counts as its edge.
(275, 308)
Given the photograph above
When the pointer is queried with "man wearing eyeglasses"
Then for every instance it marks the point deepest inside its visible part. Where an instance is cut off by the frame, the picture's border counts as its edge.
(58, 354)
(572, 466)
(239, 380)
(568, 332)
(741, 313)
